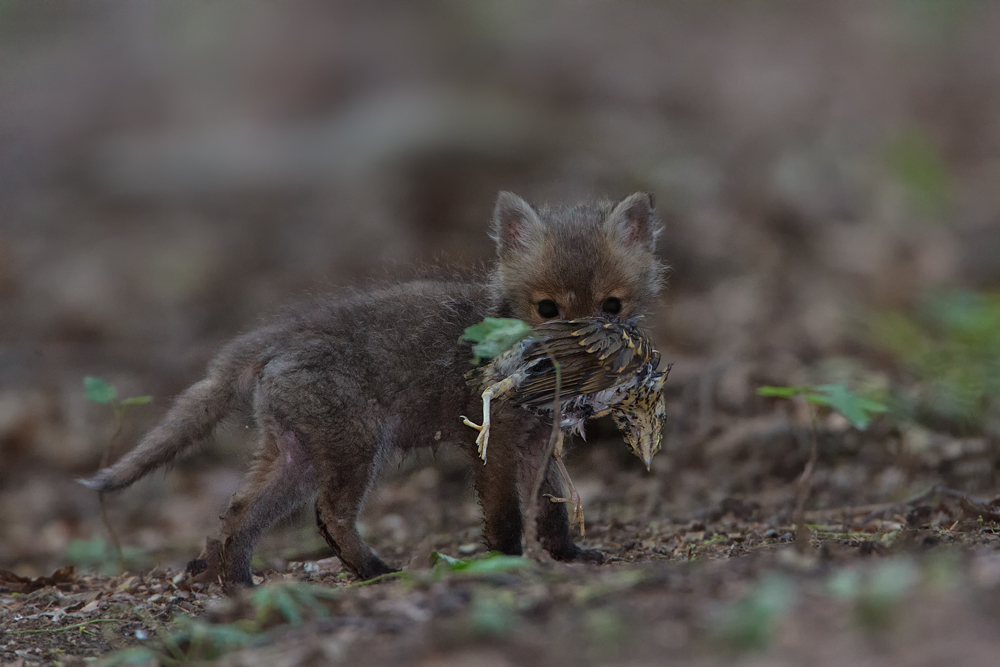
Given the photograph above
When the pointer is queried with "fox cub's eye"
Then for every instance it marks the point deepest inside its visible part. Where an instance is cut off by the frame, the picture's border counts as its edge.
(548, 309)
(612, 305)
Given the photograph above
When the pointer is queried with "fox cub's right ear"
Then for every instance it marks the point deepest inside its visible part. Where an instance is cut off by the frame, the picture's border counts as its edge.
(633, 219)
(515, 223)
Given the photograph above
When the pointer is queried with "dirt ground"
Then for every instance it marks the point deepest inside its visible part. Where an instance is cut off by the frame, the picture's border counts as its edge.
(826, 174)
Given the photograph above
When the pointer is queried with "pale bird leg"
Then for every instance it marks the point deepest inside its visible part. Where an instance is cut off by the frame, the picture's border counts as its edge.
(576, 514)
(499, 389)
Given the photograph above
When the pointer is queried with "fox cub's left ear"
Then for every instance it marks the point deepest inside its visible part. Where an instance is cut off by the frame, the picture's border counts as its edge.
(634, 219)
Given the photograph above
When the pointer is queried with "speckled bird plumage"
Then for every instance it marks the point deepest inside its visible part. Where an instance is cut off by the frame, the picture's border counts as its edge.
(606, 367)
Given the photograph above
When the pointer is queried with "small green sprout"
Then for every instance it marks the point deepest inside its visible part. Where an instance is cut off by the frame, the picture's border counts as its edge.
(856, 409)
(98, 391)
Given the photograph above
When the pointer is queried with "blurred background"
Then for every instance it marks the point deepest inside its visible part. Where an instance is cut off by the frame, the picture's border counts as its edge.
(171, 175)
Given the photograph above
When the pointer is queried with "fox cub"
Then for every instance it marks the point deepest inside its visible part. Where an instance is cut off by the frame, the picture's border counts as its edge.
(337, 387)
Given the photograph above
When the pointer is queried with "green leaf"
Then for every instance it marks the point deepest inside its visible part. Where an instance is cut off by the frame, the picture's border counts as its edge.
(137, 400)
(494, 563)
(856, 409)
(495, 335)
(490, 563)
(99, 391)
(781, 392)
(438, 558)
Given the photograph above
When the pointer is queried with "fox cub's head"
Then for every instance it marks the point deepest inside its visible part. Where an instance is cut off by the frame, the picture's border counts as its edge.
(596, 258)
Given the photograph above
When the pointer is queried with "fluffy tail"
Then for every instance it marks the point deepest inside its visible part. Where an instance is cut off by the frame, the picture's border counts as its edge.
(191, 418)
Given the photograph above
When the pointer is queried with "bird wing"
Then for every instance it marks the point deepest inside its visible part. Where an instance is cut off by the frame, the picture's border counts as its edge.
(593, 354)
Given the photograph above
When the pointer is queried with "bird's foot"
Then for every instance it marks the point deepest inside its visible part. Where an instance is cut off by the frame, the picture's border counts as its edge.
(576, 511)
(484, 434)
(576, 514)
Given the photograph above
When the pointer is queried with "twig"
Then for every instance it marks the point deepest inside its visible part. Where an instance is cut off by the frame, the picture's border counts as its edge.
(64, 628)
(534, 548)
(804, 486)
(115, 542)
(876, 510)
(935, 490)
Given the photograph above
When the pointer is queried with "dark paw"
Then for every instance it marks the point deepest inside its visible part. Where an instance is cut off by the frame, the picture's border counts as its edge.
(196, 567)
(592, 556)
(371, 568)
(233, 586)
(207, 567)
(577, 555)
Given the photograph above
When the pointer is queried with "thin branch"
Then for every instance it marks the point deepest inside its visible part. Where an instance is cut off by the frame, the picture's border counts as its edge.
(534, 548)
(64, 628)
(804, 485)
(115, 542)
(935, 490)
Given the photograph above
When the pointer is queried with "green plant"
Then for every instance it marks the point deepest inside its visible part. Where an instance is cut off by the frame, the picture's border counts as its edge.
(494, 336)
(487, 564)
(856, 409)
(99, 391)
(951, 346)
(96, 554)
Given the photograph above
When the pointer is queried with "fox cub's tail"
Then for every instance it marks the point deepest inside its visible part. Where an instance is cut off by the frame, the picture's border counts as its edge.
(192, 418)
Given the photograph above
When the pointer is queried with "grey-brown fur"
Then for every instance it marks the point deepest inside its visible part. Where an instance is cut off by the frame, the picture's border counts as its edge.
(338, 387)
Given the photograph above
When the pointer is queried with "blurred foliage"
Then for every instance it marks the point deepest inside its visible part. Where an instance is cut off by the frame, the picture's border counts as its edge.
(750, 622)
(98, 391)
(918, 166)
(494, 335)
(876, 596)
(484, 565)
(951, 345)
(289, 600)
(492, 612)
(856, 409)
(99, 556)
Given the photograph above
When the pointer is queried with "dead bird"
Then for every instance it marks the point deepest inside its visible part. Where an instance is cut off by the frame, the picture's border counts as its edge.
(606, 367)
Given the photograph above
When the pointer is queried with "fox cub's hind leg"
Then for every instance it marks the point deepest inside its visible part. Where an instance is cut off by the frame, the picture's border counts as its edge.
(282, 479)
(342, 493)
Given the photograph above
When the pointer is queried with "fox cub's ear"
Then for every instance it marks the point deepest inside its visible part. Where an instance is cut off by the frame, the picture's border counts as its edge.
(633, 218)
(515, 223)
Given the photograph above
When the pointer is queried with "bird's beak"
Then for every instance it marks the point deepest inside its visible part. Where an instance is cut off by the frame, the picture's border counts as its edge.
(646, 452)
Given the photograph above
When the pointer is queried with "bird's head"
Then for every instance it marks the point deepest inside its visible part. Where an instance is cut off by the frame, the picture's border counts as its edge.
(641, 418)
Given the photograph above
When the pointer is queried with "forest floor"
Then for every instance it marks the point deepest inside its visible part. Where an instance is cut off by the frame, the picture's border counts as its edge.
(910, 583)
